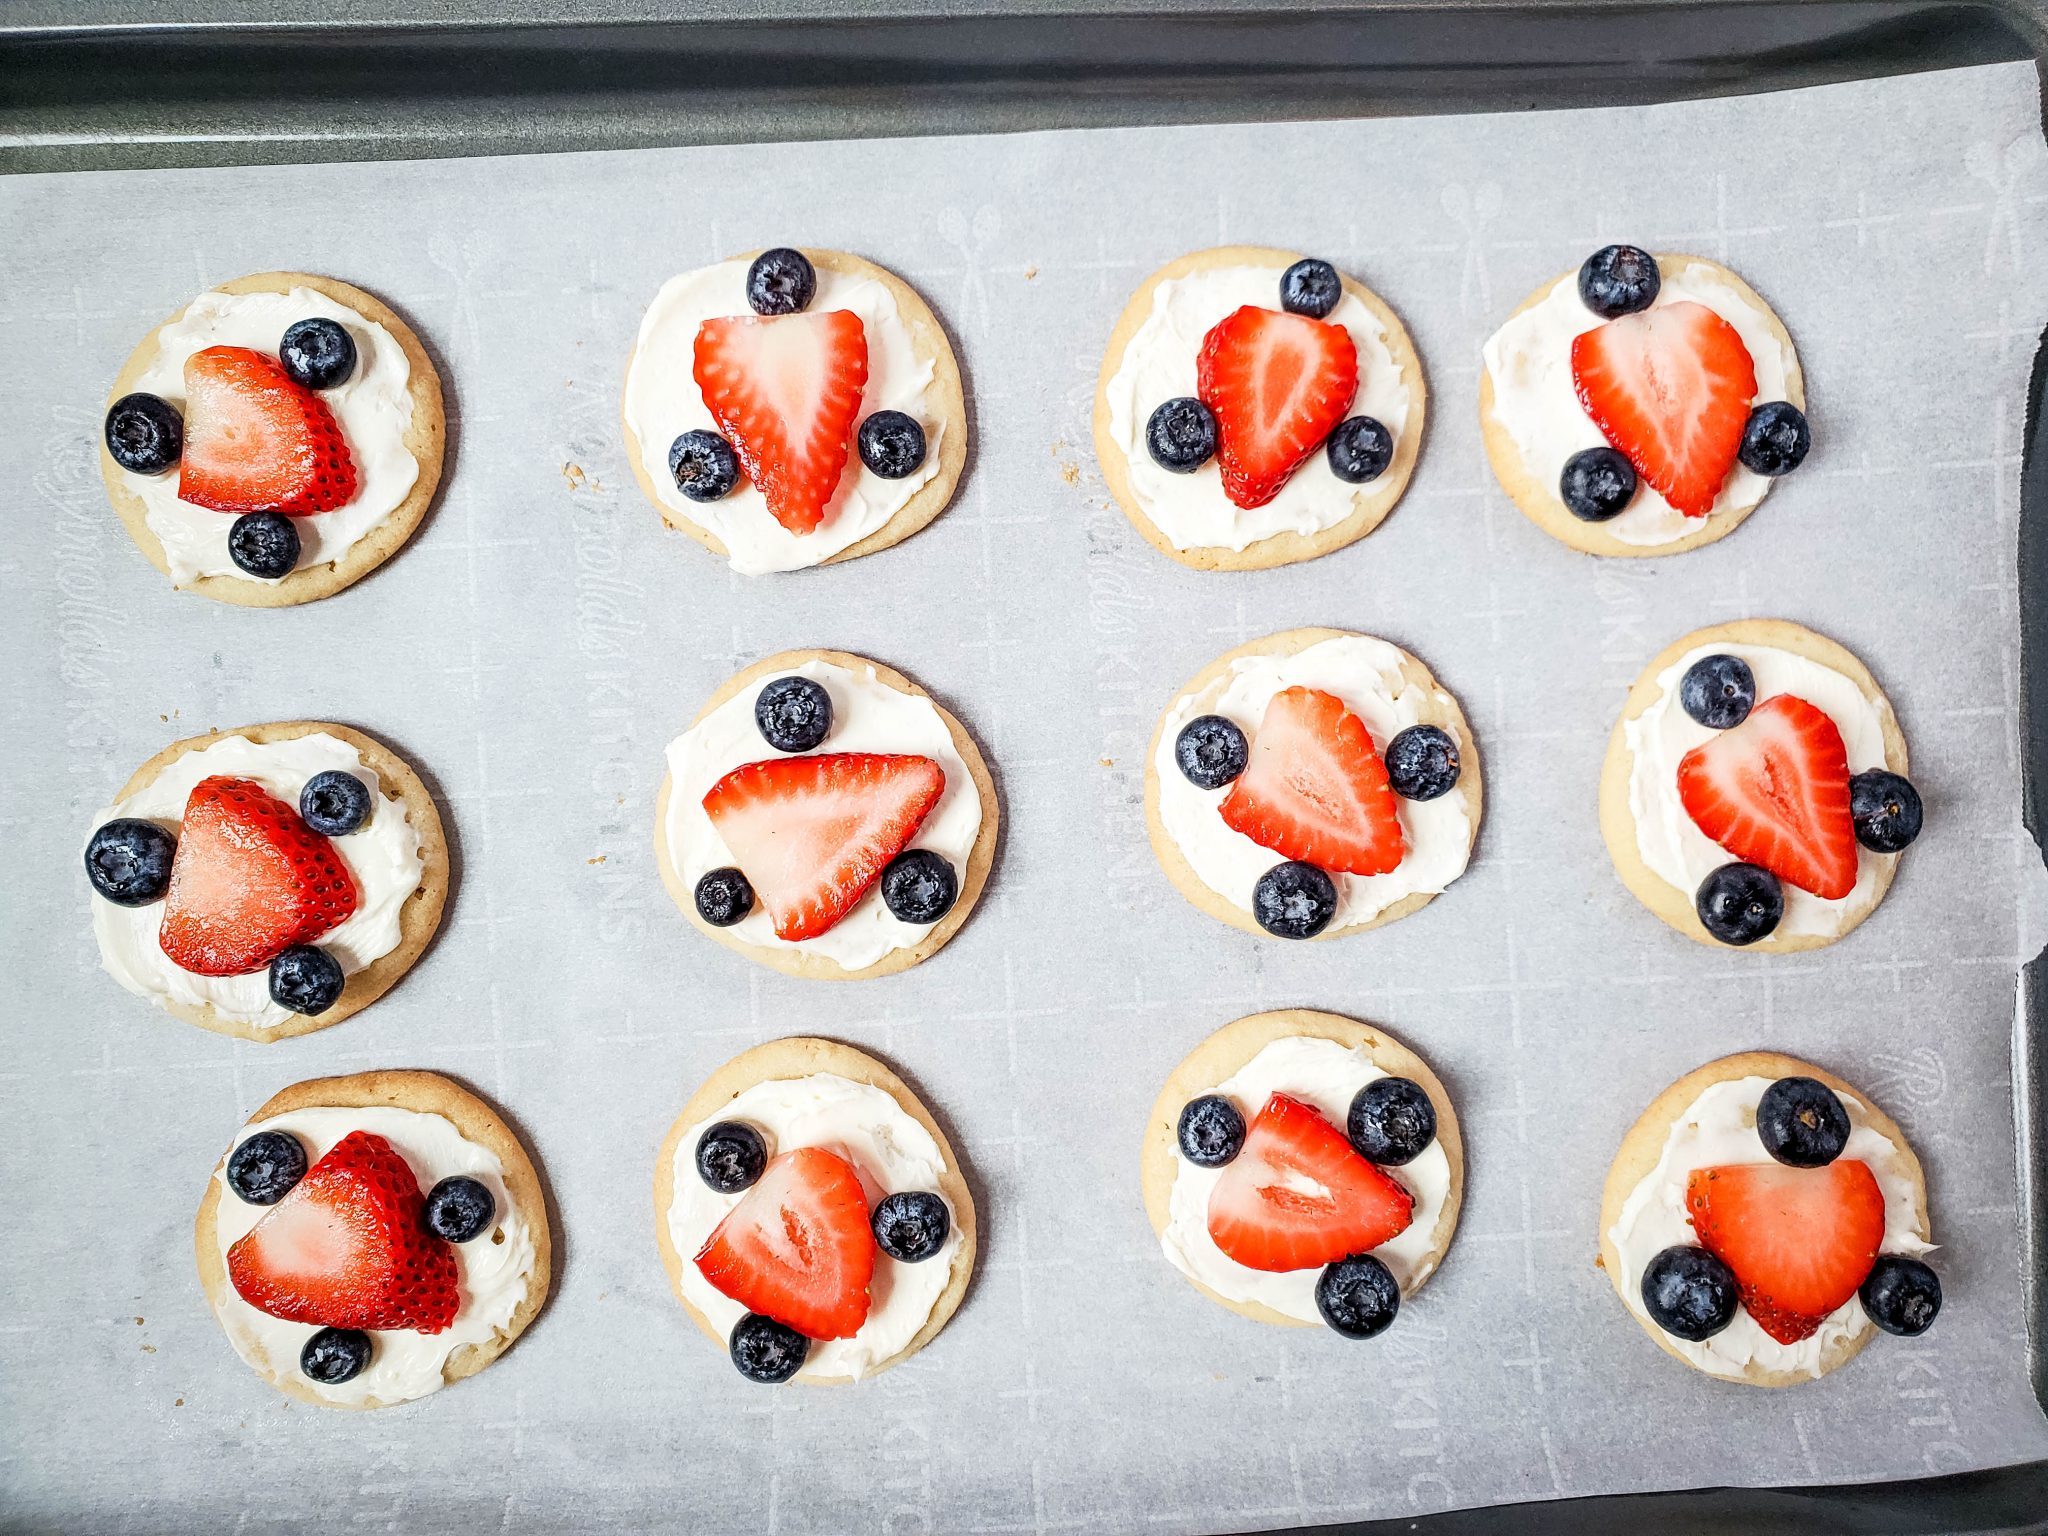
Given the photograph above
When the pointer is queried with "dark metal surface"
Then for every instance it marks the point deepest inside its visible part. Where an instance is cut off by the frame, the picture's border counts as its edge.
(98, 84)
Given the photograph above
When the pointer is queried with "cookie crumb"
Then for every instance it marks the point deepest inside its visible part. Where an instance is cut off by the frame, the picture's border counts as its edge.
(149, 1349)
(138, 1322)
(1030, 271)
(1107, 762)
(178, 1403)
(573, 473)
(1070, 472)
(598, 860)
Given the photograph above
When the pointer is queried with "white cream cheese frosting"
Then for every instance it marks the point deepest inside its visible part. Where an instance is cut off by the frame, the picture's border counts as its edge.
(1366, 674)
(1159, 365)
(1718, 1130)
(383, 855)
(1676, 850)
(663, 402)
(1325, 1076)
(888, 1149)
(373, 407)
(493, 1270)
(1529, 360)
(867, 716)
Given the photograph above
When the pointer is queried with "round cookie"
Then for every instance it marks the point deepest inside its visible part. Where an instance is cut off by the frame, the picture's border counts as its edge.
(1372, 501)
(1220, 1056)
(794, 962)
(418, 918)
(426, 439)
(1618, 823)
(1643, 1147)
(1539, 500)
(797, 1057)
(929, 342)
(427, 1093)
(1444, 713)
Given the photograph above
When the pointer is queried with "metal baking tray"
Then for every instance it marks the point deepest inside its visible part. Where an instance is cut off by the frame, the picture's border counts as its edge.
(101, 84)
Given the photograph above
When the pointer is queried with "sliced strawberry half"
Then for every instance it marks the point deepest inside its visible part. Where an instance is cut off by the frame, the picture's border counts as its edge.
(1298, 1196)
(258, 441)
(1800, 1240)
(249, 880)
(1670, 387)
(1277, 384)
(1774, 791)
(798, 1247)
(785, 389)
(1315, 788)
(349, 1247)
(811, 834)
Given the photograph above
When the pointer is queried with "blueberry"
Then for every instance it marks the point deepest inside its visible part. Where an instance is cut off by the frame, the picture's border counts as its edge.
(264, 544)
(781, 282)
(891, 444)
(1391, 1121)
(1310, 287)
(1597, 483)
(724, 897)
(1211, 1131)
(1181, 435)
(129, 861)
(1422, 762)
(1886, 810)
(1901, 1295)
(793, 714)
(1619, 280)
(1689, 1293)
(1357, 1296)
(919, 886)
(263, 1169)
(1294, 900)
(1718, 691)
(145, 434)
(334, 802)
(1211, 751)
(1775, 439)
(1740, 903)
(765, 1350)
(460, 1209)
(318, 353)
(1801, 1123)
(1359, 449)
(704, 465)
(306, 980)
(335, 1355)
(730, 1157)
(911, 1225)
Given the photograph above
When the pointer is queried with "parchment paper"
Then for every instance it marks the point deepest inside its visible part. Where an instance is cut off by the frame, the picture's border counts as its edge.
(543, 638)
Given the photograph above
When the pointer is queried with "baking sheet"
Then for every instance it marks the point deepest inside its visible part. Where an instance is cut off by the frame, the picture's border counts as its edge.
(541, 640)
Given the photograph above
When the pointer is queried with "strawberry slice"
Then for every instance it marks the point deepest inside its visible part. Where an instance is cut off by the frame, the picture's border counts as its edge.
(785, 389)
(1315, 788)
(1774, 791)
(1277, 383)
(249, 880)
(1299, 1196)
(257, 441)
(1670, 387)
(798, 1247)
(349, 1247)
(1800, 1240)
(811, 834)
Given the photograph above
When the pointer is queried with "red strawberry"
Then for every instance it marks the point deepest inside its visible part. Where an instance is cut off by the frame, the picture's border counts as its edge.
(1775, 791)
(257, 441)
(1670, 387)
(1315, 788)
(785, 389)
(812, 833)
(1800, 1240)
(1277, 383)
(249, 880)
(349, 1247)
(798, 1246)
(1299, 1196)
